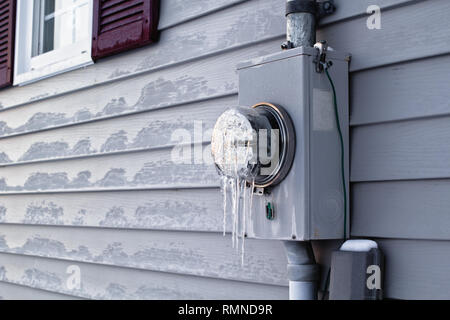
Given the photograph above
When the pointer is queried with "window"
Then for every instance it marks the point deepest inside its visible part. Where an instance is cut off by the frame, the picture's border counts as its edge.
(41, 38)
(52, 36)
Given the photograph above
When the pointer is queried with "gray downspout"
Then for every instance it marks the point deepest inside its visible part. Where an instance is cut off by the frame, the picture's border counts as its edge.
(303, 272)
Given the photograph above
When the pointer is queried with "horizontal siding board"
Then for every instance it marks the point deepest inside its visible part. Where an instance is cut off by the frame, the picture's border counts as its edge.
(155, 169)
(410, 90)
(401, 209)
(10, 291)
(174, 12)
(214, 34)
(416, 149)
(350, 9)
(133, 132)
(107, 282)
(200, 254)
(416, 269)
(186, 209)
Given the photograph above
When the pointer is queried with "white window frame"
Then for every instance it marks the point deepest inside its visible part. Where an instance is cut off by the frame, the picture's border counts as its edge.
(28, 69)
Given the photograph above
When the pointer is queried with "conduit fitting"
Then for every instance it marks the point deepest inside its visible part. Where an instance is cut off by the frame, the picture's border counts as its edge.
(302, 270)
(302, 20)
(318, 9)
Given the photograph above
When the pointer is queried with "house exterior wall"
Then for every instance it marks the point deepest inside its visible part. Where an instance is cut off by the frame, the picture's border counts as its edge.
(87, 179)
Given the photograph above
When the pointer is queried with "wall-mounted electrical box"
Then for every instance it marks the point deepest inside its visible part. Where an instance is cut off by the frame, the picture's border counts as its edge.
(308, 204)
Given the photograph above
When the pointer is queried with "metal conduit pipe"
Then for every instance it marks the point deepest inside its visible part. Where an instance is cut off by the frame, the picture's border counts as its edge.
(301, 26)
(303, 272)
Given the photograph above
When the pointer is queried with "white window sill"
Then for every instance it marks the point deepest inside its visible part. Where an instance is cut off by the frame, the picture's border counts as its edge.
(53, 69)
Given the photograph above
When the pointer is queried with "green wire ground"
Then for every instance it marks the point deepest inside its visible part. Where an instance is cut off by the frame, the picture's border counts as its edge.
(338, 123)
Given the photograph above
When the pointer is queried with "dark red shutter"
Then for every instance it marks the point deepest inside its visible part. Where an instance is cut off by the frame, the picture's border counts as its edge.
(121, 25)
(7, 30)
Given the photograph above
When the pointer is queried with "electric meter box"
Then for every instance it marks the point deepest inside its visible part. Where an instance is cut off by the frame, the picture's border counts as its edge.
(309, 203)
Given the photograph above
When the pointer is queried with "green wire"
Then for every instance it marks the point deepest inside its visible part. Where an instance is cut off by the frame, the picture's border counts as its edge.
(338, 123)
(336, 112)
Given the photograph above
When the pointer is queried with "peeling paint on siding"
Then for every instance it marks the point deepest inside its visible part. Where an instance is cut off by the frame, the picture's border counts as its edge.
(45, 213)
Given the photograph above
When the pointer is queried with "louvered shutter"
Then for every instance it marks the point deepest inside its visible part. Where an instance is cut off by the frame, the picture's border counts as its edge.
(7, 29)
(121, 25)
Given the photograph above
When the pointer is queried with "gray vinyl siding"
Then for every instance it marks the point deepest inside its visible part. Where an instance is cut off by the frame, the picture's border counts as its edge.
(86, 176)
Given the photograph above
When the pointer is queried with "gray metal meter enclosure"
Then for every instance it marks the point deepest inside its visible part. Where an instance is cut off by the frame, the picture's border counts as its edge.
(309, 203)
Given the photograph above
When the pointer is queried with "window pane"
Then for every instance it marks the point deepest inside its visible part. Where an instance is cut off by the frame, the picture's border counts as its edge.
(59, 23)
(49, 27)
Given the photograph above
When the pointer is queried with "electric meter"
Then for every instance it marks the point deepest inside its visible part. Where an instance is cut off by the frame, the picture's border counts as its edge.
(256, 144)
(289, 146)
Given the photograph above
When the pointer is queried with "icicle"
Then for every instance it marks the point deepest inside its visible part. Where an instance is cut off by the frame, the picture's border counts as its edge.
(233, 210)
(244, 208)
(236, 217)
(232, 160)
(244, 213)
(224, 191)
(252, 192)
(236, 203)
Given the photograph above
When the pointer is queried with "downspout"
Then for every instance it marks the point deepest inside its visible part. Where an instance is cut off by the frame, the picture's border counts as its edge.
(303, 272)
